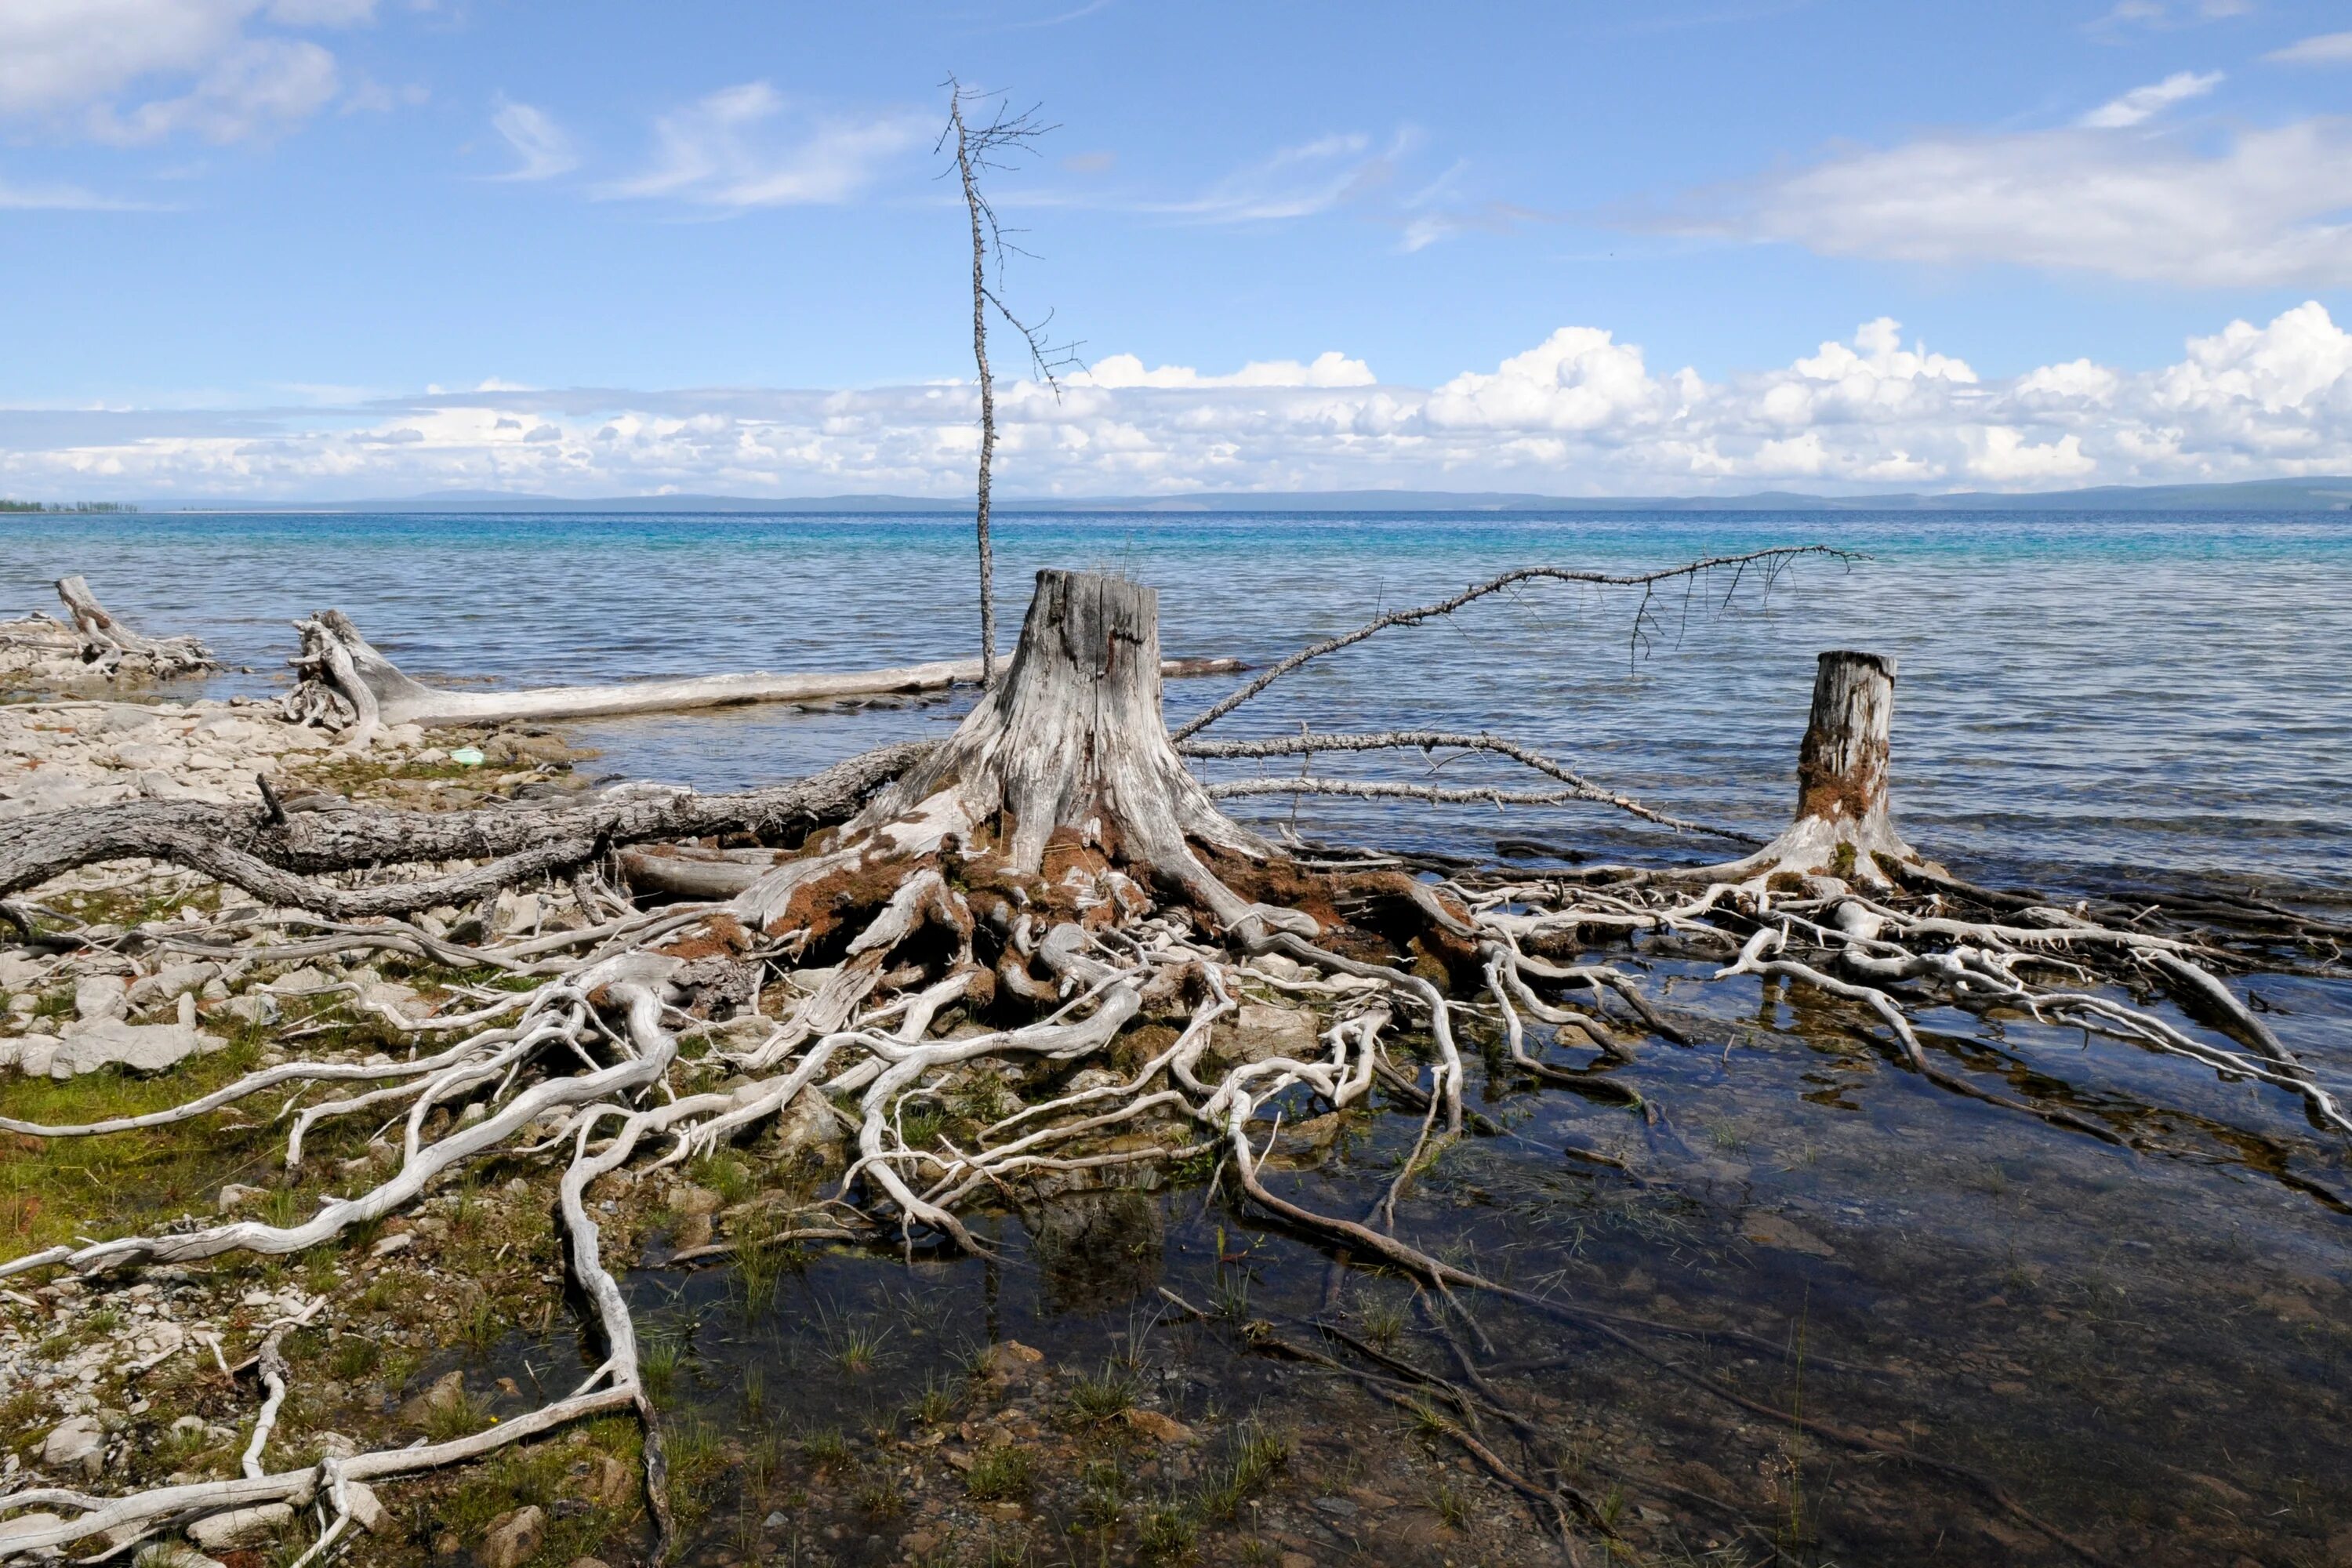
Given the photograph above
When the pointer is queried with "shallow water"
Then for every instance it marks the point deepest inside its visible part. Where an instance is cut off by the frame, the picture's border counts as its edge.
(2091, 692)
(2150, 1346)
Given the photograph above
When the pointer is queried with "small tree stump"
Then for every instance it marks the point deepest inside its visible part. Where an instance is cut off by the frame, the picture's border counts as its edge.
(1842, 826)
(1842, 766)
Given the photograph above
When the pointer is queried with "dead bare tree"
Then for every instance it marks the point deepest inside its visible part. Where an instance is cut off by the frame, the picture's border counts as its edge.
(988, 147)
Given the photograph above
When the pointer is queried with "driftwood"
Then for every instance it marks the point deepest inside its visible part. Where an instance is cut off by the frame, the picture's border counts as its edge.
(346, 683)
(270, 858)
(97, 640)
(1042, 880)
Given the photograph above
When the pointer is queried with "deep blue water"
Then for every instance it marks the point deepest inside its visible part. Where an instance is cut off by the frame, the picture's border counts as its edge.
(2091, 694)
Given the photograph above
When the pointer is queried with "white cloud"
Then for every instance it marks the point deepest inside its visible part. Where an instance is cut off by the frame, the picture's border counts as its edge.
(2324, 49)
(1580, 378)
(2264, 208)
(262, 86)
(322, 12)
(747, 147)
(67, 198)
(1300, 182)
(2144, 103)
(2157, 15)
(1580, 412)
(69, 65)
(1331, 368)
(544, 148)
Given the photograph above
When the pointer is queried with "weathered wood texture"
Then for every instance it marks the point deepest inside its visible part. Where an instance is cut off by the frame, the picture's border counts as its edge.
(330, 642)
(1074, 738)
(263, 857)
(113, 648)
(1842, 828)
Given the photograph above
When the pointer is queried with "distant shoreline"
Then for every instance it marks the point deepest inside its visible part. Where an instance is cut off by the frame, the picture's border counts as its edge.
(2313, 495)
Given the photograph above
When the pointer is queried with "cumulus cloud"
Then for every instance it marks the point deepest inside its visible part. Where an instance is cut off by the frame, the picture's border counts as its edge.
(543, 149)
(1578, 413)
(2261, 208)
(1331, 368)
(80, 65)
(2144, 103)
(748, 146)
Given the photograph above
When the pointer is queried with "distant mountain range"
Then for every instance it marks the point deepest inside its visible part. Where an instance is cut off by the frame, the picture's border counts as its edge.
(2253, 495)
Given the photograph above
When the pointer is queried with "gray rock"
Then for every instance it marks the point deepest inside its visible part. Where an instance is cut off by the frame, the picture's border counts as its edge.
(295, 981)
(241, 1527)
(237, 1196)
(170, 982)
(141, 1048)
(100, 996)
(78, 1444)
(513, 1539)
(25, 1524)
(20, 972)
(253, 1007)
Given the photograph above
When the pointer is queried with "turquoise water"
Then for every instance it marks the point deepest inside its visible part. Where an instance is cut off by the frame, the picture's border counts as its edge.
(2088, 695)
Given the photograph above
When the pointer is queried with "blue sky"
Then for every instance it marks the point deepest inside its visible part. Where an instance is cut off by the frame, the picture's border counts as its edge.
(328, 248)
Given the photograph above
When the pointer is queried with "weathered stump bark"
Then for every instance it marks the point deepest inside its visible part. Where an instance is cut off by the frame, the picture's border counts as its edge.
(1842, 826)
(1070, 742)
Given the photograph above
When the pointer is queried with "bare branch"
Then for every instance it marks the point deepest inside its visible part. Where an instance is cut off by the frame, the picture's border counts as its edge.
(1581, 788)
(1645, 580)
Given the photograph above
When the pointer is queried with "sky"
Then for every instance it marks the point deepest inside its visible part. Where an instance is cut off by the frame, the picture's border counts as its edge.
(328, 249)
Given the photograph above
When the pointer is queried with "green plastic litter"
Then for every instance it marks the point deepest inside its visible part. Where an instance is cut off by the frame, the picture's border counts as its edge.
(467, 757)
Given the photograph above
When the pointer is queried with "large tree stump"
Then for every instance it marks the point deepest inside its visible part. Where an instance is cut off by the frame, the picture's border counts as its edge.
(1069, 743)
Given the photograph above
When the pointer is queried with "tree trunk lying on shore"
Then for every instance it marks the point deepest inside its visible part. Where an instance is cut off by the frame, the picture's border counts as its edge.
(346, 680)
(1047, 885)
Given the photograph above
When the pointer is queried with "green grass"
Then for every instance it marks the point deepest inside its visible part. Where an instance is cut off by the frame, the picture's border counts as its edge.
(1006, 1474)
(1103, 1398)
(1256, 1456)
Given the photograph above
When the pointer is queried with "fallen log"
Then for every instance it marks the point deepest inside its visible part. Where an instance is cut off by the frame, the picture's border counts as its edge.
(347, 683)
(262, 856)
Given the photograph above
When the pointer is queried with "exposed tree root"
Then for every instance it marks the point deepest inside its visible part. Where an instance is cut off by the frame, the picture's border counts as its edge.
(1006, 909)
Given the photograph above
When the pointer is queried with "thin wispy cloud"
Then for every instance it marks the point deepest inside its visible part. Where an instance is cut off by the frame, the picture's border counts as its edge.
(61, 198)
(543, 148)
(2144, 103)
(749, 146)
(2261, 208)
(2163, 15)
(2323, 49)
(1299, 180)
